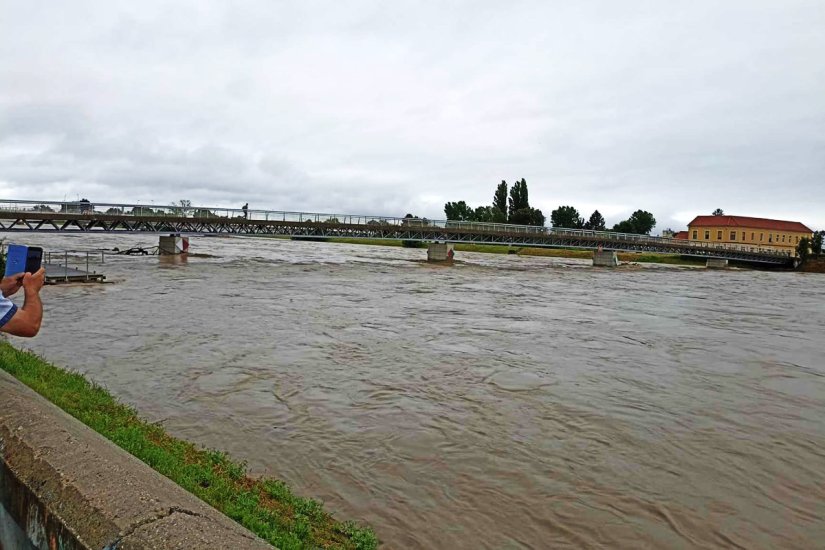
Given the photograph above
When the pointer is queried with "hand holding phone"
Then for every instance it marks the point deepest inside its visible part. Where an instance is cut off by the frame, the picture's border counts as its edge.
(23, 259)
(33, 281)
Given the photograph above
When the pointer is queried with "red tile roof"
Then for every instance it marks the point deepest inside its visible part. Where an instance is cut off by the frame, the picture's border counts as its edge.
(681, 235)
(750, 223)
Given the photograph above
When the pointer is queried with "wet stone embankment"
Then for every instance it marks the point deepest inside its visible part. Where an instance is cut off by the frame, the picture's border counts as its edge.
(63, 486)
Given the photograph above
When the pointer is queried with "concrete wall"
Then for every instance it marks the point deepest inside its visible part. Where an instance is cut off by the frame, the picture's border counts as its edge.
(65, 486)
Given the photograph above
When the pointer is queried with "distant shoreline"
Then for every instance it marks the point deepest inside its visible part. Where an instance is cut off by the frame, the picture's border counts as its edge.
(644, 257)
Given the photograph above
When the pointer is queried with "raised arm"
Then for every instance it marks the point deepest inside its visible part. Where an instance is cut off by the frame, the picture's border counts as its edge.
(25, 321)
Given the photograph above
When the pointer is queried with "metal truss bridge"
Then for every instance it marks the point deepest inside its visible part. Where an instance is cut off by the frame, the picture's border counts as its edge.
(86, 217)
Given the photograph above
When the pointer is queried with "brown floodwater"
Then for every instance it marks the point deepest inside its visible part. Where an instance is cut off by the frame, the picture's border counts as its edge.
(505, 402)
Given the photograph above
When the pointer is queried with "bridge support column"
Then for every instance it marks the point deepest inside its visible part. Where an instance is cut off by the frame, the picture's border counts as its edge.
(173, 244)
(717, 263)
(440, 252)
(605, 258)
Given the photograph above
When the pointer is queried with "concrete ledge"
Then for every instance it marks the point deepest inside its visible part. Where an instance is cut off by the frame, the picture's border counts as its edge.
(68, 487)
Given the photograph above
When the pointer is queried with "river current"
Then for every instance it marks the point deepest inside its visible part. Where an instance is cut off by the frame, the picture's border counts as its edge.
(504, 402)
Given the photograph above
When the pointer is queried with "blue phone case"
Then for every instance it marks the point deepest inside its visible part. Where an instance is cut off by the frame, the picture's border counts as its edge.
(16, 259)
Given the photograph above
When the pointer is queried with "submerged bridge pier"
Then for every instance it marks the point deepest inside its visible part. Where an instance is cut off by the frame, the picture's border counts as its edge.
(605, 258)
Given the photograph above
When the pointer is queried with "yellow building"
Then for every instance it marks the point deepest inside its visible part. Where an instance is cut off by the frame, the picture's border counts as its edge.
(746, 233)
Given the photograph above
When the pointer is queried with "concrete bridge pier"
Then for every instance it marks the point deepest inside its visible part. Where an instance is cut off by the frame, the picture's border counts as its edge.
(173, 244)
(717, 263)
(605, 258)
(440, 252)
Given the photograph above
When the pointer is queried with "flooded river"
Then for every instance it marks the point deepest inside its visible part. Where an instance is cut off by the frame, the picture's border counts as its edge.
(506, 402)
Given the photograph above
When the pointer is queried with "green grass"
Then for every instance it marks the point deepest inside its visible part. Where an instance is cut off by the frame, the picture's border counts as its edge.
(378, 242)
(671, 259)
(557, 252)
(652, 257)
(486, 248)
(266, 507)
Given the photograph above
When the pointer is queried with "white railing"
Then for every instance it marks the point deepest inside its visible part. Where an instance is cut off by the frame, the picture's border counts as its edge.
(218, 213)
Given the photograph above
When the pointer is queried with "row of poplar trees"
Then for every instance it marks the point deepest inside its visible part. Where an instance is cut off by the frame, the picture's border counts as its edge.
(512, 205)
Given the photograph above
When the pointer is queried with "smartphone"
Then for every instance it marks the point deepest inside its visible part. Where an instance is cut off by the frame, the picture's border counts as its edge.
(22, 259)
(34, 258)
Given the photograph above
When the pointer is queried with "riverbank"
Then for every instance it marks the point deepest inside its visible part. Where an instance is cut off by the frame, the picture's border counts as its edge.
(813, 265)
(265, 506)
(647, 257)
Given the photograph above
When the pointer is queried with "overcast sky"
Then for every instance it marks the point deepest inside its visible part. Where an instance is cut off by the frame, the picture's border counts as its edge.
(394, 107)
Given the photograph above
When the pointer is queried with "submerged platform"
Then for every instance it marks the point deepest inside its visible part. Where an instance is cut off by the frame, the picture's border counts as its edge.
(57, 274)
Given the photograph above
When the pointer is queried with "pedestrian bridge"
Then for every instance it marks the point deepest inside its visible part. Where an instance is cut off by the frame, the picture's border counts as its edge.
(86, 217)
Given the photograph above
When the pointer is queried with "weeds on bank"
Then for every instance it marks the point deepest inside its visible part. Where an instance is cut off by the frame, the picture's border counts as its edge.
(266, 507)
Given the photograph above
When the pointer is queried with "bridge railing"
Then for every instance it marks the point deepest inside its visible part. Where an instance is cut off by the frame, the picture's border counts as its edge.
(219, 213)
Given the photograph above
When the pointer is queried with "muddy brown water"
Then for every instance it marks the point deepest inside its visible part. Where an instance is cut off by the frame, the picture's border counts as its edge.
(506, 402)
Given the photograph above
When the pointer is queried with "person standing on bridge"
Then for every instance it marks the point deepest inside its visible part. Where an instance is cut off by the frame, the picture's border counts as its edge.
(245, 209)
(24, 321)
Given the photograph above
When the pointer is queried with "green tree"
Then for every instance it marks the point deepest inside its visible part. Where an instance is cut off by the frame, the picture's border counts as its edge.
(566, 216)
(519, 199)
(803, 249)
(623, 227)
(643, 222)
(718, 212)
(500, 203)
(415, 221)
(596, 222)
(640, 222)
(816, 242)
(486, 214)
(459, 211)
(527, 216)
(43, 208)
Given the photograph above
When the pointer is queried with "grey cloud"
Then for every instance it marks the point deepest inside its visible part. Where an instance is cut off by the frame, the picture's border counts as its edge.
(385, 108)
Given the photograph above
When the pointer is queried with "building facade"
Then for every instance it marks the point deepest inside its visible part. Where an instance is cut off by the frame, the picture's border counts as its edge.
(746, 233)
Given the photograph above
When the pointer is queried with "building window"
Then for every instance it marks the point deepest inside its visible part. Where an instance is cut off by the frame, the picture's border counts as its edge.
(797, 239)
(752, 236)
(761, 237)
(770, 238)
(695, 234)
(733, 235)
(783, 238)
(719, 235)
(707, 235)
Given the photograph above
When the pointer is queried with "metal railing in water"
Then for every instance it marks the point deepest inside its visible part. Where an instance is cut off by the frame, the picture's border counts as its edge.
(221, 213)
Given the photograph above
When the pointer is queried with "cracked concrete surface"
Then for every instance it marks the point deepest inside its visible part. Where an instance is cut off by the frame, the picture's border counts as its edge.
(92, 494)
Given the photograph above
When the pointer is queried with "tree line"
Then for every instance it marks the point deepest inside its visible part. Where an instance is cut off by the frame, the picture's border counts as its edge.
(510, 205)
(807, 246)
(513, 206)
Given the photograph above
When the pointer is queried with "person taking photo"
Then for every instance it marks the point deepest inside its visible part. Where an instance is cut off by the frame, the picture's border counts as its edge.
(22, 321)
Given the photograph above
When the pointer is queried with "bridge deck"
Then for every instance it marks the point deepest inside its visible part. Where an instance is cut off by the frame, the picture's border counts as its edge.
(21, 216)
